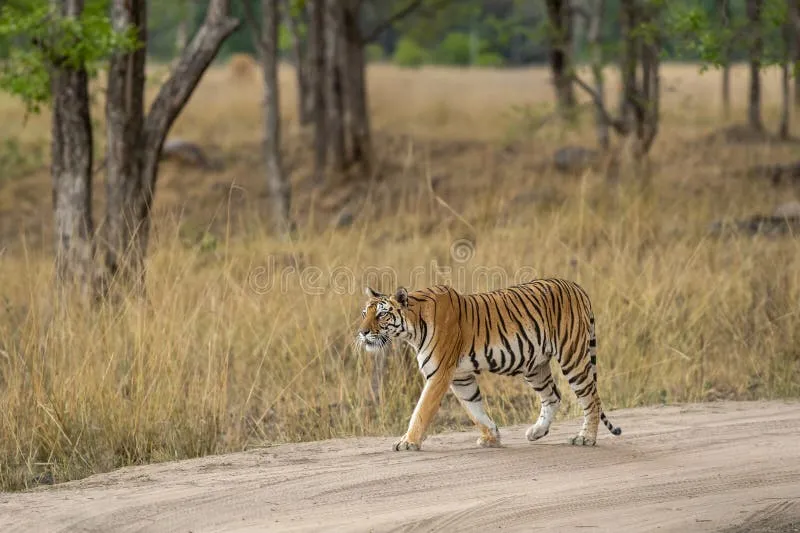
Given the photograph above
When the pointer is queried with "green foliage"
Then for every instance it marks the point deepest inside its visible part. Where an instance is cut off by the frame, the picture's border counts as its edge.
(429, 24)
(455, 49)
(409, 54)
(489, 59)
(695, 31)
(296, 8)
(38, 39)
(284, 39)
(374, 53)
(18, 159)
(463, 49)
(25, 76)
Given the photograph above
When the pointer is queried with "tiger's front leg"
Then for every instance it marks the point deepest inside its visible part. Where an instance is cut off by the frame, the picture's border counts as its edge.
(427, 407)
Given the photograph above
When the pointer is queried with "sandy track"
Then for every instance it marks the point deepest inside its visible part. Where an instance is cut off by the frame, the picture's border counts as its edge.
(683, 468)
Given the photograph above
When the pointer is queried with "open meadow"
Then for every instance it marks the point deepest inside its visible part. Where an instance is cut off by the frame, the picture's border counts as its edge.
(248, 340)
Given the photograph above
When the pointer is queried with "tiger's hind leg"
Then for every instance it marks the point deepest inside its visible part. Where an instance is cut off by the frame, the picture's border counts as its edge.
(469, 395)
(580, 376)
(541, 380)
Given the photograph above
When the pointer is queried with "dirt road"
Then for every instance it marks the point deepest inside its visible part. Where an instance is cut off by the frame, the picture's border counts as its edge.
(712, 467)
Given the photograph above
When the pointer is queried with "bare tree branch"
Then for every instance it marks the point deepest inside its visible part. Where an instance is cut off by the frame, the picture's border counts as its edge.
(400, 15)
(175, 92)
(618, 125)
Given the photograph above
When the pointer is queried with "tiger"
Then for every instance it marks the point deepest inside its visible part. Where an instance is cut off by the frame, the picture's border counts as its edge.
(511, 331)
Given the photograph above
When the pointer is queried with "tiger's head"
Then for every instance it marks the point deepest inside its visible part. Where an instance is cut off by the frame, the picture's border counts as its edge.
(383, 319)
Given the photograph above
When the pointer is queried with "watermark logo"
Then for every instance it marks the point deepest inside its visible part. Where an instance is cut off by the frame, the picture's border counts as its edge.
(345, 280)
(462, 250)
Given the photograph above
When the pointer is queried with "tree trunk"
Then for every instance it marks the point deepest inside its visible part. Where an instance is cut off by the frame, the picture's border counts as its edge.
(333, 83)
(640, 114)
(560, 17)
(723, 9)
(125, 120)
(316, 64)
(726, 90)
(642, 97)
(357, 94)
(754, 9)
(277, 181)
(304, 101)
(786, 99)
(71, 170)
(650, 109)
(133, 157)
(629, 58)
(595, 45)
(185, 23)
(794, 17)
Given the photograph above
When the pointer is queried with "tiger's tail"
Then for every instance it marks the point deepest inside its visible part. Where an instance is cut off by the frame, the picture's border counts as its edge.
(615, 430)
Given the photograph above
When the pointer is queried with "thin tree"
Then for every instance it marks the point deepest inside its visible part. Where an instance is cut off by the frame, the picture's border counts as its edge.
(277, 179)
(786, 66)
(356, 84)
(794, 18)
(299, 56)
(135, 139)
(723, 9)
(185, 22)
(640, 54)
(594, 37)
(754, 10)
(71, 166)
(316, 81)
(559, 14)
(334, 53)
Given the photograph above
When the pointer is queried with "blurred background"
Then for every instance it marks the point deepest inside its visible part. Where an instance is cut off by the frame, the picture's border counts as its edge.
(190, 208)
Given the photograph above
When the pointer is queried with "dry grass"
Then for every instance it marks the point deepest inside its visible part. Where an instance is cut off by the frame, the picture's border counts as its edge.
(217, 362)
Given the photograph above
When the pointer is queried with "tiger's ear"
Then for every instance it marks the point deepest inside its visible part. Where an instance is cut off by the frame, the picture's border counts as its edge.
(370, 293)
(401, 296)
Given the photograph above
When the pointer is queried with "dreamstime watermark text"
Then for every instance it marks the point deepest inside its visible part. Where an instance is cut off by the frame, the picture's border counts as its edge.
(345, 280)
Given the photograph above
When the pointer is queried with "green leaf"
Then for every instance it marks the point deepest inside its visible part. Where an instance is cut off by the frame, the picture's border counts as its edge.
(39, 39)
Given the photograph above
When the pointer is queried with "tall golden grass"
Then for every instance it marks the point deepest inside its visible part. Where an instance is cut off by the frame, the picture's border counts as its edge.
(247, 340)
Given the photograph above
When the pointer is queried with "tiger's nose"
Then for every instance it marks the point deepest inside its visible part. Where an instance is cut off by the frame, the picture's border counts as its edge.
(364, 332)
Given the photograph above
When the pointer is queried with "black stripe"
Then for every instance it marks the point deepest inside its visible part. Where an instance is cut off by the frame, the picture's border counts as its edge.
(488, 314)
(516, 320)
(499, 316)
(532, 303)
(521, 355)
(473, 357)
(525, 303)
(490, 360)
(425, 362)
(510, 355)
(424, 329)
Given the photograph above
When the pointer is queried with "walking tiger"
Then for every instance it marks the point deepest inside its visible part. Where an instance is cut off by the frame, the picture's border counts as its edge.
(511, 331)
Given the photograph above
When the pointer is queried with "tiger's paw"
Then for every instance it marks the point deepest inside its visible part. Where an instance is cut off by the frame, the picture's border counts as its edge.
(404, 445)
(581, 440)
(490, 440)
(536, 432)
